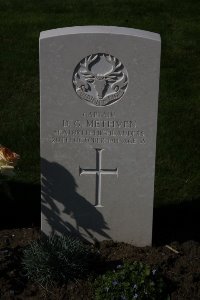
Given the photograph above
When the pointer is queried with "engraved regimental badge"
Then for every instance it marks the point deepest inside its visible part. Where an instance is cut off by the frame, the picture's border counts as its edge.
(100, 79)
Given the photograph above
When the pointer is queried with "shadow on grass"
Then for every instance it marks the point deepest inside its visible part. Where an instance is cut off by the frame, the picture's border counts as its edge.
(19, 205)
(177, 222)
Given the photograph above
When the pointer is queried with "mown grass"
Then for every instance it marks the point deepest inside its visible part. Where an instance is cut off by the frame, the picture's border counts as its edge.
(178, 143)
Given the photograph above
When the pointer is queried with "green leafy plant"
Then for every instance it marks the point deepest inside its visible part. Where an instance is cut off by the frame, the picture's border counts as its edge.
(55, 259)
(131, 281)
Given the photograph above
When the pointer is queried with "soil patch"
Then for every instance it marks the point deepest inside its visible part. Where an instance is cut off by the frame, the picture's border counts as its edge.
(179, 263)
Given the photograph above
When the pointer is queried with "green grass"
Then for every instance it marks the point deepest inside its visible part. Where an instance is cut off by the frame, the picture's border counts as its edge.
(178, 143)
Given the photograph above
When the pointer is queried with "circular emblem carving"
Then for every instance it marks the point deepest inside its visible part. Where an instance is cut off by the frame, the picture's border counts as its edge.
(100, 79)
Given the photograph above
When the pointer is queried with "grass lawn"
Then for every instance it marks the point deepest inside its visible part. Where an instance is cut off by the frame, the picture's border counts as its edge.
(178, 143)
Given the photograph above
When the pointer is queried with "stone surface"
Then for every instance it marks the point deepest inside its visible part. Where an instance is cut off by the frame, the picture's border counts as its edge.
(99, 97)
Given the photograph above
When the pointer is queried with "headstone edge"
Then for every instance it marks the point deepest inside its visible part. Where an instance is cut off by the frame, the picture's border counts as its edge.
(98, 29)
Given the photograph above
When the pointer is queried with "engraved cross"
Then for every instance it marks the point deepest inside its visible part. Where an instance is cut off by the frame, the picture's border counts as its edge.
(98, 172)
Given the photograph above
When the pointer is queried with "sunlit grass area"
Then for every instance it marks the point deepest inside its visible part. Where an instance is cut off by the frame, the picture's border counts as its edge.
(178, 143)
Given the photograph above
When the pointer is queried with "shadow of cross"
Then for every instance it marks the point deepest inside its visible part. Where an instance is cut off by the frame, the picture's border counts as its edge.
(98, 172)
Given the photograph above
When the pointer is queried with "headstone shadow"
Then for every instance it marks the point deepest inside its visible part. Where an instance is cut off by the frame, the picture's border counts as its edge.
(61, 202)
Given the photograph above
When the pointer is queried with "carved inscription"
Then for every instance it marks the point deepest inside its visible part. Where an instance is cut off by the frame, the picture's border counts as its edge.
(99, 128)
(98, 172)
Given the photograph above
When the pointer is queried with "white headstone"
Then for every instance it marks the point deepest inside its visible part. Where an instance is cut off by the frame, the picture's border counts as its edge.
(99, 98)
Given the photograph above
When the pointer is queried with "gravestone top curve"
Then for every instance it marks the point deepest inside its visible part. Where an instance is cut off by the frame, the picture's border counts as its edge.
(98, 30)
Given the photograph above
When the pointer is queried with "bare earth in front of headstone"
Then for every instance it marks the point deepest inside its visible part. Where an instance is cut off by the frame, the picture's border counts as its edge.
(179, 263)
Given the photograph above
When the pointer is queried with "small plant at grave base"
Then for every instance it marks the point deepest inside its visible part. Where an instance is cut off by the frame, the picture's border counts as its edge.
(55, 259)
(131, 281)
